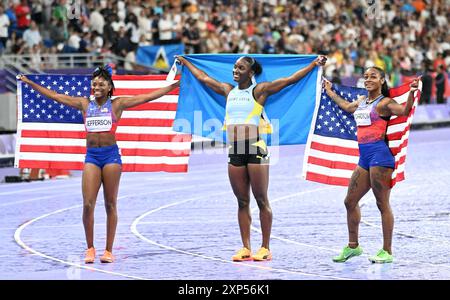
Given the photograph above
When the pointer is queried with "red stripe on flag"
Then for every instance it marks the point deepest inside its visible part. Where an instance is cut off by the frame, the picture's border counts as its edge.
(154, 168)
(132, 92)
(154, 152)
(146, 122)
(396, 150)
(333, 180)
(153, 137)
(156, 106)
(396, 136)
(142, 78)
(43, 164)
(334, 149)
(54, 134)
(331, 164)
(53, 149)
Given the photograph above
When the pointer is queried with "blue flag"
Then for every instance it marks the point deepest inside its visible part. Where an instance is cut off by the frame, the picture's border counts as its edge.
(201, 111)
(159, 56)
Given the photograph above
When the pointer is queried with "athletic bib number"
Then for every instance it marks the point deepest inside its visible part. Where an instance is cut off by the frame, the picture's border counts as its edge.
(98, 124)
(362, 115)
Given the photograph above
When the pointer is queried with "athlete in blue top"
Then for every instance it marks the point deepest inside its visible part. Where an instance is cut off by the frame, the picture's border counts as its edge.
(103, 162)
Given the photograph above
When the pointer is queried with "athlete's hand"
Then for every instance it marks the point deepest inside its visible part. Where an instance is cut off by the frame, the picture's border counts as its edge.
(414, 85)
(327, 85)
(23, 78)
(180, 59)
(320, 60)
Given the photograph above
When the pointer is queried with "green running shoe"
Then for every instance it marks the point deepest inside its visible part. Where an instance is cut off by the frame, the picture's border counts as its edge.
(348, 253)
(381, 257)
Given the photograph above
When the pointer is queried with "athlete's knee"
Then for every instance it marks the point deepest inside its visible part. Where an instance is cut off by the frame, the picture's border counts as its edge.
(243, 201)
(383, 204)
(88, 207)
(262, 201)
(350, 203)
(110, 206)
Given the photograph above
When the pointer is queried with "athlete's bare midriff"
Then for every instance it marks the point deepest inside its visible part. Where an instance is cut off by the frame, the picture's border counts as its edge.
(242, 132)
(100, 139)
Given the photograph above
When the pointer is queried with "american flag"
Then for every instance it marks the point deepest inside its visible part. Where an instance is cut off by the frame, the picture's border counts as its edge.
(331, 152)
(52, 135)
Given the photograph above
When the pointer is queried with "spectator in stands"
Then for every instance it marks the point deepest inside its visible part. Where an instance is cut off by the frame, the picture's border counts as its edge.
(103, 163)
(191, 37)
(427, 84)
(32, 36)
(336, 78)
(440, 81)
(4, 24)
(23, 13)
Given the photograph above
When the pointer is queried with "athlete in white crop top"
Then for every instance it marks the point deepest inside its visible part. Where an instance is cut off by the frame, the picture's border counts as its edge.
(249, 167)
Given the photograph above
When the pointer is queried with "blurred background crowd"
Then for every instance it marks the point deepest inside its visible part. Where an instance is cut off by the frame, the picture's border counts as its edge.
(403, 37)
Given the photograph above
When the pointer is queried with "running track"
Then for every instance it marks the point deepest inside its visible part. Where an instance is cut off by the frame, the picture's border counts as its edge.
(184, 226)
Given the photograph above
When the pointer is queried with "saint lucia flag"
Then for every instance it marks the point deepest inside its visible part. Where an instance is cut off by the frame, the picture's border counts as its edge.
(201, 111)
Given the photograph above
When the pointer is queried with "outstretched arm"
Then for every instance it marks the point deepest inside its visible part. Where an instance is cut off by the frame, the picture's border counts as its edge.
(275, 86)
(218, 87)
(393, 108)
(75, 102)
(127, 102)
(349, 107)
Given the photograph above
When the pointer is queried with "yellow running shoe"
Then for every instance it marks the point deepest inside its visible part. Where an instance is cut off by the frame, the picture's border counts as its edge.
(243, 254)
(107, 257)
(89, 256)
(263, 254)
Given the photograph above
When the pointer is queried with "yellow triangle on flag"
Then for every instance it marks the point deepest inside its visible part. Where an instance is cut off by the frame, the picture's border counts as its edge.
(161, 61)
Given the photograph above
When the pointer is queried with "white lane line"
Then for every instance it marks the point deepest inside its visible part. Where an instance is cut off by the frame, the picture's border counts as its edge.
(292, 241)
(18, 239)
(18, 232)
(370, 224)
(142, 237)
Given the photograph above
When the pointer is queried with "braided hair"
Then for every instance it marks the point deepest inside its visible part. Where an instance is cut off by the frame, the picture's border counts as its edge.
(106, 73)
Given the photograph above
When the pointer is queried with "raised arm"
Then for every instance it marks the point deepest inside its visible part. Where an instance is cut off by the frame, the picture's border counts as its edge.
(269, 88)
(393, 108)
(218, 87)
(75, 102)
(349, 107)
(127, 102)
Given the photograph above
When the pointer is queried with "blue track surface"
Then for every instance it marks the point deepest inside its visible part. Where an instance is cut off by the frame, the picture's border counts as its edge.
(184, 226)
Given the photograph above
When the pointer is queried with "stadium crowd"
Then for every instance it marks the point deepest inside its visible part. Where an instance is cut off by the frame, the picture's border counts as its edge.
(402, 37)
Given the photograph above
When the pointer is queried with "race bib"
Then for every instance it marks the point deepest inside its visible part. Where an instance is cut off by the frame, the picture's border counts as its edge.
(362, 115)
(99, 124)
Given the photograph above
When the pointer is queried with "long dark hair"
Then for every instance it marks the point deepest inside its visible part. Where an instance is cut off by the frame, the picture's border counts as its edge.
(106, 73)
(384, 87)
(254, 65)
